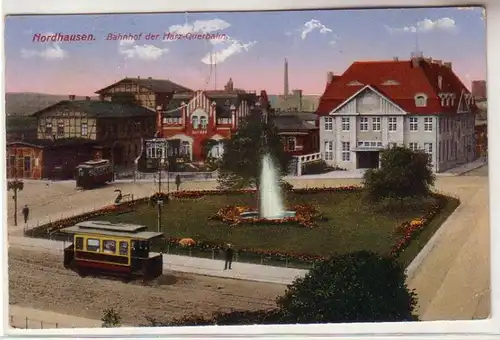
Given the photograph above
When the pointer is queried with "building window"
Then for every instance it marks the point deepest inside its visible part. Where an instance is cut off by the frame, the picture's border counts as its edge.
(376, 123)
(328, 123)
(363, 124)
(290, 143)
(413, 146)
(84, 128)
(93, 244)
(393, 124)
(328, 151)
(413, 123)
(223, 121)
(203, 122)
(27, 163)
(428, 124)
(346, 152)
(109, 246)
(185, 148)
(195, 122)
(48, 128)
(420, 100)
(60, 128)
(346, 124)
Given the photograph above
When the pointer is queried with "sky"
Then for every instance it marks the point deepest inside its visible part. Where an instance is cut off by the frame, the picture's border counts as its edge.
(204, 50)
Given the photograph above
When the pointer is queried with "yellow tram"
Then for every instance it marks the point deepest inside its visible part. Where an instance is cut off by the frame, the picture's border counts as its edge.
(102, 247)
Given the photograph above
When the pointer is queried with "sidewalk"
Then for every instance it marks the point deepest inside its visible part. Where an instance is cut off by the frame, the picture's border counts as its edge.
(186, 264)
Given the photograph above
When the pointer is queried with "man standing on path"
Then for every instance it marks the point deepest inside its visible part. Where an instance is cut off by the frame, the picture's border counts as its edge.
(178, 181)
(26, 212)
(229, 257)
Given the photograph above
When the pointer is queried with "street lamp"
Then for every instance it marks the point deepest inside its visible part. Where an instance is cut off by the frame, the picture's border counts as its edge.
(159, 204)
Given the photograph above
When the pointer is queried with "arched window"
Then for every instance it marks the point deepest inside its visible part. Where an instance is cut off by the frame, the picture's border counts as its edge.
(203, 122)
(420, 100)
(195, 122)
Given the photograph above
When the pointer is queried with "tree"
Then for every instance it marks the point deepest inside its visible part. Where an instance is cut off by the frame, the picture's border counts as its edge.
(15, 186)
(355, 287)
(241, 162)
(111, 318)
(402, 173)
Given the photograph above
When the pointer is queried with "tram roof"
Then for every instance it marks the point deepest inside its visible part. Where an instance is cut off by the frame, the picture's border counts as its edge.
(134, 231)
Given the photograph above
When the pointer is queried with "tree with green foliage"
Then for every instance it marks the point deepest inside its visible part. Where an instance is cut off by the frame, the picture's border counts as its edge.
(241, 163)
(402, 173)
(355, 287)
(111, 318)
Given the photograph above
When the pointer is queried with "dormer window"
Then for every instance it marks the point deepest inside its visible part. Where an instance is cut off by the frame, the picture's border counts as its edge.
(390, 82)
(354, 83)
(420, 100)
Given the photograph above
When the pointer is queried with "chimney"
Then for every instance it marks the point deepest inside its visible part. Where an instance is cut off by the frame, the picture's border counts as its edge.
(395, 59)
(150, 78)
(297, 93)
(72, 97)
(87, 98)
(329, 77)
(447, 64)
(285, 89)
(416, 58)
(438, 62)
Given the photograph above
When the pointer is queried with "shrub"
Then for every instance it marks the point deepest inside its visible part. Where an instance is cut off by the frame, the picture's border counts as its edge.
(355, 287)
(316, 167)
(111, 318)
(403, 173)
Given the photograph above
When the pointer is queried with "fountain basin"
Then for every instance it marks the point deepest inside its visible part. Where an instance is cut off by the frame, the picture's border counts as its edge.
(255, 214)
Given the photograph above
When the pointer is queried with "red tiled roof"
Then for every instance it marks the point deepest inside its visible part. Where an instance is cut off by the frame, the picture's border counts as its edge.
(412, 80)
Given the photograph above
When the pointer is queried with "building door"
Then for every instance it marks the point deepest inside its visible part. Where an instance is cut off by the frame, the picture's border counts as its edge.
(368, 159)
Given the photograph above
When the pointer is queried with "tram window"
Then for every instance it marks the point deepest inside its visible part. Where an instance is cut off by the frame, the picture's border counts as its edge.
(79, 243)
(109, 246)
(93, 244)
(123, 248)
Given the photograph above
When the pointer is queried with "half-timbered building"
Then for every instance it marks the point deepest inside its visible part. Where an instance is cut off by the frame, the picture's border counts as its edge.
(118, 127)
(148, 92)
(418, 103)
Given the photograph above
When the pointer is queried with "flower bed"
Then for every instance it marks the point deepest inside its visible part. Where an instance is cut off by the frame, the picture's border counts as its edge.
(411, 229)
(304, 215)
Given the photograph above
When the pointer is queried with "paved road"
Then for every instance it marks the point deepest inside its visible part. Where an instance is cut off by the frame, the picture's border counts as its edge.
(482, 171)
(457, 266)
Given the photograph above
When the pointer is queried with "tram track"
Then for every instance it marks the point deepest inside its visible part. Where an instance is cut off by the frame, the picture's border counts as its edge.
(39, 280)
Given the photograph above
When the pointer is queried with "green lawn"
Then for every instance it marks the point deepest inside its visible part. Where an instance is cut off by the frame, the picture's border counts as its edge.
(351, 225)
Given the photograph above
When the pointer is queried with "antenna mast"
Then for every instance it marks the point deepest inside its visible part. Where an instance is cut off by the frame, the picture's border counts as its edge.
(215, 73)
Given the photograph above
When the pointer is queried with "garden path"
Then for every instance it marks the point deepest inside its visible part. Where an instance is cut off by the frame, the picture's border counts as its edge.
(456, 263)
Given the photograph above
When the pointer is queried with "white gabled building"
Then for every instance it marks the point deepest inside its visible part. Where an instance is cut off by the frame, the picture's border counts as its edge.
(417, 103)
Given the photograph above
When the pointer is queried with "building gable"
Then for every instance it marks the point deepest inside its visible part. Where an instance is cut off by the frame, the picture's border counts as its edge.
(199, 103)
(368, 101)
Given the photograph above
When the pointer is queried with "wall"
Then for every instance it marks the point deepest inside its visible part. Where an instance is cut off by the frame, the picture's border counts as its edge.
(17, 169)
(70, 119)
(456, 132)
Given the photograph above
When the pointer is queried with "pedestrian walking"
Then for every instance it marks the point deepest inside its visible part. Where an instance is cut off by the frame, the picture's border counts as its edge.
(229, 256)
(178, 181)
(26, 212)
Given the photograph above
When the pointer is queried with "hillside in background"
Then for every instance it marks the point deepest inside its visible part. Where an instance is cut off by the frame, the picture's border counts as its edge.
(25, 103)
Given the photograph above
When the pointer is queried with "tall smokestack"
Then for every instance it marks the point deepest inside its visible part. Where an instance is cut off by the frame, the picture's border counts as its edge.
(286, 90)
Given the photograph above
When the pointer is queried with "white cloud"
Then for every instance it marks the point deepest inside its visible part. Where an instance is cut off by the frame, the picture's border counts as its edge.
(199, 26)
(427, 25)
(52, 52)
(131, 50)
(313, 25)
(231, 47)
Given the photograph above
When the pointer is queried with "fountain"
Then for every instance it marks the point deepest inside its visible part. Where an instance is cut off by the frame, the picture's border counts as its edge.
(270, 197)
